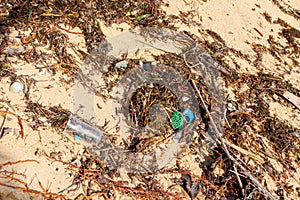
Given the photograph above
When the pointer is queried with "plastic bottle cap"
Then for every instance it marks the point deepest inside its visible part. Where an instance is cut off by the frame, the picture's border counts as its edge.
(176, 120)
(188, 115)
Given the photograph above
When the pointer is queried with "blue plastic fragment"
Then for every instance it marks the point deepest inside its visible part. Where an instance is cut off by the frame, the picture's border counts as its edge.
(77, 137)
(188, 115)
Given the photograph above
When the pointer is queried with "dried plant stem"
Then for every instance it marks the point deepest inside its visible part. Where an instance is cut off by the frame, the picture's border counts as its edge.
(223, 143)
(15, 183)
(17, 162)
(25, 189)
(239, 179)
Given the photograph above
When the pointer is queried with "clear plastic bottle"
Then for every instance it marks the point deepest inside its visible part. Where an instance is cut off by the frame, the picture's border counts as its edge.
(85, 131)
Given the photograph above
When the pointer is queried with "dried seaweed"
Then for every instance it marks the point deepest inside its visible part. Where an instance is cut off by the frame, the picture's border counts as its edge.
(285, 8)
(13, 180)
(157, 94)
(56, 116)
(98, 181)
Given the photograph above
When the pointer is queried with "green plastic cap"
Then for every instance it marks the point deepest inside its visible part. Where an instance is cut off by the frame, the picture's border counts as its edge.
(176, 120)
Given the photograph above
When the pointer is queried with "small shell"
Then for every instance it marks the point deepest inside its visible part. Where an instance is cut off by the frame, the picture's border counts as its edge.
(16, 87)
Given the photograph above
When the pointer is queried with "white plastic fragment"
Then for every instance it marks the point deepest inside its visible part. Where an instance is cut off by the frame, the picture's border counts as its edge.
(122, 64)
(43, 119)
(77, 162)
(297, 133)
(184, 99)
(231, 107)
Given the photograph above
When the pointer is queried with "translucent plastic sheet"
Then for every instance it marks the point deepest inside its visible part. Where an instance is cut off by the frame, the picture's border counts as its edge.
(154, 75)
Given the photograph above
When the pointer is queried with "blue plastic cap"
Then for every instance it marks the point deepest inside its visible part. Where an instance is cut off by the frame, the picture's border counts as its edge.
(188, 115)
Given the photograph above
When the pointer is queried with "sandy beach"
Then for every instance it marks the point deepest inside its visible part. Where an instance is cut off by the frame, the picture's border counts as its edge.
(47, 48)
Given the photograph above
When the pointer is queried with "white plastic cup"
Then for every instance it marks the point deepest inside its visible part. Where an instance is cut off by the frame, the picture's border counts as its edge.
(85, 131)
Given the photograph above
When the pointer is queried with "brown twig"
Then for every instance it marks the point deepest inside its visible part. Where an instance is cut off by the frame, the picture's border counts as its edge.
(47, 195)
(23, 186)
(68, 31)
(93, 176)
(17, 162)
(239, 179)
(208, 183)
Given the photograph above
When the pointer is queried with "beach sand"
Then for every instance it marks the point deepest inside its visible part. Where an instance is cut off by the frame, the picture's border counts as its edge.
(245, 29)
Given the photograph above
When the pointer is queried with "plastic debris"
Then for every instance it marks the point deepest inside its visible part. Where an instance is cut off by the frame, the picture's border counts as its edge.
(231, 107)
(122, 64)
(188, 115)
(178, 136)
(77, 137)
(83, 130)
(176, 120)
(146, 75)
(184, 99)
(297, 133)
(147, 66)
